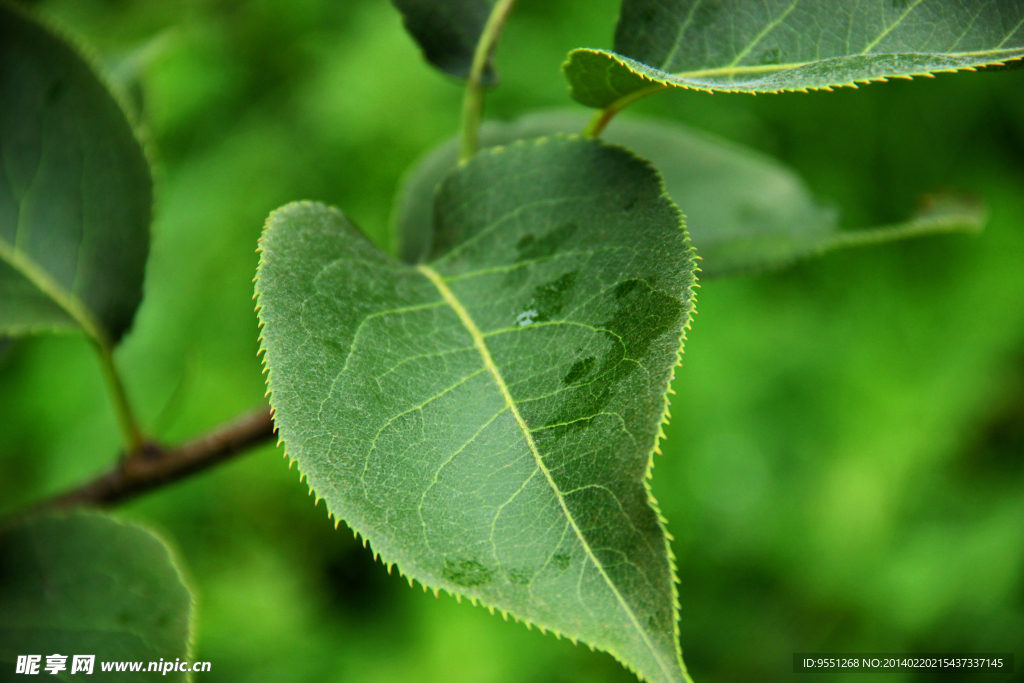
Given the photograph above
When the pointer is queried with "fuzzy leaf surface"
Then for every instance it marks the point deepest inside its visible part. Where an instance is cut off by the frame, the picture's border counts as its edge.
(744, 210)
(448, 31)
(779, 45)
(83, 583)
(75, 191)
(487, 420)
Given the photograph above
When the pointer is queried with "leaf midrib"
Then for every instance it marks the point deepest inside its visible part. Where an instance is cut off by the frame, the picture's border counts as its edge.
(485, 354)
(68, 302)
(891, 27)
(774, 23)
(733, 68)
(771, 26)
(769, 68)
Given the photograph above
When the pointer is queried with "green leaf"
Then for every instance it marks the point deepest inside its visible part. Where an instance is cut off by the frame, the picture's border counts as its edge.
(487, 421)
(448, 32)
(85, 584)
(778, 45)
(744, 210)
(75, 191)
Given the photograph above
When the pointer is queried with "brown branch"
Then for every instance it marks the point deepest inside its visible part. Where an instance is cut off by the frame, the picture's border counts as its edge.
(154, 466)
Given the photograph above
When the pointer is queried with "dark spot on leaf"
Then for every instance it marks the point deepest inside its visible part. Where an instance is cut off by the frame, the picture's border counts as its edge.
(548, 300)
(163, 621)
(771, 56)
(561, 561)
(579, 370)
(643, 314)
(660, 620)
(519, 577)
(624, 288)
(531, 248)
(466, 573)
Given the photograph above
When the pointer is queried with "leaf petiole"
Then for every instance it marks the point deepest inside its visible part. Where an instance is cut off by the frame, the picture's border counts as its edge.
(604, 116)
(94, 330)
(473, 102)
(126, 421)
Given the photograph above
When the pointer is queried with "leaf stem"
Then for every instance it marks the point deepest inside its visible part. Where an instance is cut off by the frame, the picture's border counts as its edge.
(603, 117)
(473, 102)
(129, 426)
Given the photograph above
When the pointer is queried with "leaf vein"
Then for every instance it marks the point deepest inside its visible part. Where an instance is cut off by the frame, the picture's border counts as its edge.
(772, 25)
(890, 27)
(437, 474)
(489, 364)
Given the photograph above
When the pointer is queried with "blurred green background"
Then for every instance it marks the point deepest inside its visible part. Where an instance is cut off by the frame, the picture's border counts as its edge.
(845, 466)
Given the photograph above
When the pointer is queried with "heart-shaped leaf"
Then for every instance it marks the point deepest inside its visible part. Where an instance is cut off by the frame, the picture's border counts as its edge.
(487, 420)
(75, 191)
(85, 584)
(777, 45)
(448, 32)
(744, 210)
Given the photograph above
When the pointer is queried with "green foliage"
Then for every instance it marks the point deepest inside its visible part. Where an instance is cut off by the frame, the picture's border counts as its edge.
(487, 421)
(76, 194)
(781, 45)
(83, 583)
(6, 346)
(744, 210)
(827, 471)
(448, 31)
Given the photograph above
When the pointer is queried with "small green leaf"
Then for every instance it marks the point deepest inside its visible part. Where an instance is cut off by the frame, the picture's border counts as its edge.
(85, 584)
(744, 210)
(487, 421)
(75, 191)
(448, 32)
(780, 45)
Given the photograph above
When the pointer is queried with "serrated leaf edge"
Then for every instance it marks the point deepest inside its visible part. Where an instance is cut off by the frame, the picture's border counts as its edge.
(663, 80)
(662, 521)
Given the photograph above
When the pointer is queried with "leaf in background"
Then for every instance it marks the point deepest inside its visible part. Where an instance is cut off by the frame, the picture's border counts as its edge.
(75, 191)
(779, 45)
(744, 210)
(448, 31)
(83, 583)
(487, 422)
(752, 251)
